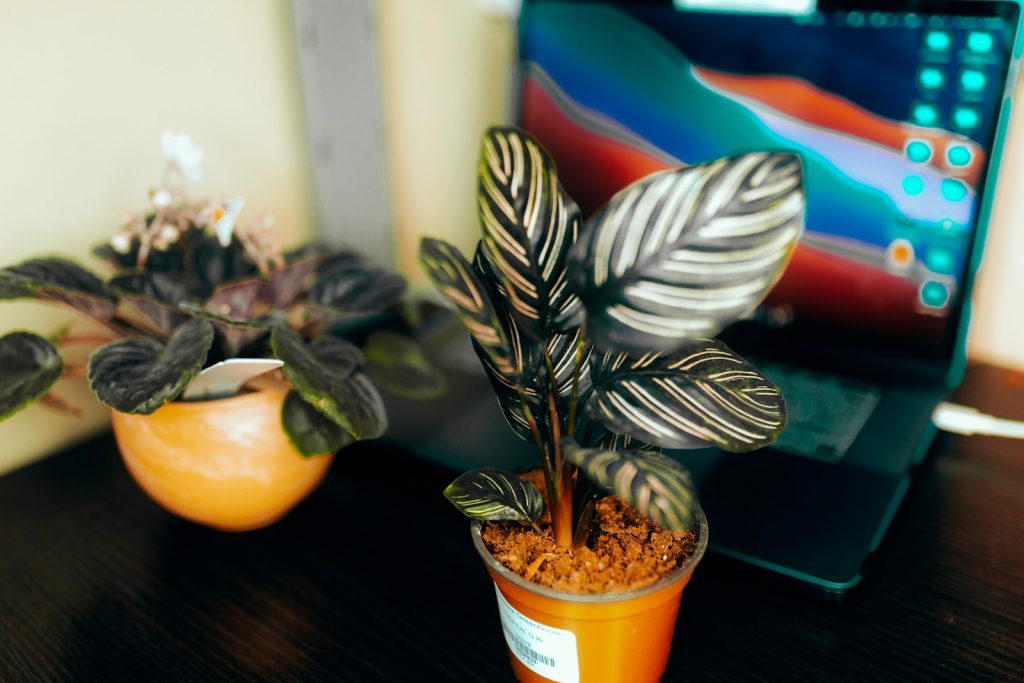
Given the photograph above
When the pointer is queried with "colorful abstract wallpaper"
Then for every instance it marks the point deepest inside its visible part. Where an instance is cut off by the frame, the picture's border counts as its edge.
(894, 116)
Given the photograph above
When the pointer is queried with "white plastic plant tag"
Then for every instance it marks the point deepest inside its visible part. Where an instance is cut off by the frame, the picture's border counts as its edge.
(550, 652)
(227, 377)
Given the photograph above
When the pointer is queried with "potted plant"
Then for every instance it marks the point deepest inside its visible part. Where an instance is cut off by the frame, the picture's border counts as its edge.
(597, 340)
(198, 309)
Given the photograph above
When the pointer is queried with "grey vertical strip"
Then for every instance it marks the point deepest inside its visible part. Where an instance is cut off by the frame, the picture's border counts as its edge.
(340, 83)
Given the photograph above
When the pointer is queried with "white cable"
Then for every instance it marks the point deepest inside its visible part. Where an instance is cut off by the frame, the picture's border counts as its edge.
(950, 417)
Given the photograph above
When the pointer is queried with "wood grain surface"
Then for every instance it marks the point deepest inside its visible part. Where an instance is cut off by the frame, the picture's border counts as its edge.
(374, 579)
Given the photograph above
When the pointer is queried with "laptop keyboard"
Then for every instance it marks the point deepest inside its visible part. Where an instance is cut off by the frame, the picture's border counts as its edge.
(826, 412)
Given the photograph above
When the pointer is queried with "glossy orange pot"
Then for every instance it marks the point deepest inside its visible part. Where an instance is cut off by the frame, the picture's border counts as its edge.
(225, 463)
(607, 638)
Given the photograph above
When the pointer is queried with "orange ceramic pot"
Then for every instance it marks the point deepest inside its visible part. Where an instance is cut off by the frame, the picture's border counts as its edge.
(225, 463)
(607, 638)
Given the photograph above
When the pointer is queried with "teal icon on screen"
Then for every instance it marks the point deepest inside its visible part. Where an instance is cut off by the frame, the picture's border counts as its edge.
(934, 294)
(938, 41)
(939, 260)
(980, 42)
(925, 114)
(919, 151)
(953, 190)
(973, 80)
(966, 118)
(913, 185)
(931, 78)
(958, 155)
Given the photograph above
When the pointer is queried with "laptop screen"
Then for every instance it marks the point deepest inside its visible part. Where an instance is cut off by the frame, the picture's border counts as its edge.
(893, 112)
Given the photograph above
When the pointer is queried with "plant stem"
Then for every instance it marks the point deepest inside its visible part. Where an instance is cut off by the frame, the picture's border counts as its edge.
(561, 504)
(550, 482)
(574, 398)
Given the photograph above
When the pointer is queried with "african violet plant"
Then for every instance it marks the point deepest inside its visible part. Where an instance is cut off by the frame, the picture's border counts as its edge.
(596, 337)
(191, 288)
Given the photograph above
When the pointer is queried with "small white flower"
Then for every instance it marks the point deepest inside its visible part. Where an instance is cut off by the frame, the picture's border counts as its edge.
(185, 155)
(121, 242)
(166, 236)
(162, 198)
(222, 217)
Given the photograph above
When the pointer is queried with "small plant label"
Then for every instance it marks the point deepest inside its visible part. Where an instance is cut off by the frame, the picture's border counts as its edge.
(550, 652)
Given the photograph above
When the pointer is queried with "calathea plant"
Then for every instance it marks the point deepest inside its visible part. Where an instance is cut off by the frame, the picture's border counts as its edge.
(597, 337)
(191, 288)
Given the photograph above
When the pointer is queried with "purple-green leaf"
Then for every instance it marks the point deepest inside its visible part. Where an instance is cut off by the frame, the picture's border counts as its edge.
(29, 366)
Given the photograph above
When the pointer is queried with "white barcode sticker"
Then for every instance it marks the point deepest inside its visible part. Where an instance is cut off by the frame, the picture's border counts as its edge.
(550, 652)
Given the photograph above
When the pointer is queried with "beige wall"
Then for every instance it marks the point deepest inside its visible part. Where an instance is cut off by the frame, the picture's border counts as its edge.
(997, 335)
(87, 88)
(444, 67)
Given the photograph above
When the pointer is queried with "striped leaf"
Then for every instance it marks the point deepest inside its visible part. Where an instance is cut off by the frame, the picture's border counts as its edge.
(529, 362)
(529, 224)
(682, 253)
(653, 483)
(701, 395)
(470, 300)
(490, 494)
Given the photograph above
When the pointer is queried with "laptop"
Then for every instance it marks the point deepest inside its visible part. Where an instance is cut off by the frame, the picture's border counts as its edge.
(899, 110)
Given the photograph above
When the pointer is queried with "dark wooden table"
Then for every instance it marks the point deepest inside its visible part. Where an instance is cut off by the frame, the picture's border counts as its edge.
(374, 579)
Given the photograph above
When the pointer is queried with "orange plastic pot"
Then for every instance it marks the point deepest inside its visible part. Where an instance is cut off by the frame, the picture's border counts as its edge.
(607, 638)
(225, 463)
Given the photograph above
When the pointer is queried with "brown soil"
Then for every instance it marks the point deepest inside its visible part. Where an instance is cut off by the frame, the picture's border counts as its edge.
(625, 550)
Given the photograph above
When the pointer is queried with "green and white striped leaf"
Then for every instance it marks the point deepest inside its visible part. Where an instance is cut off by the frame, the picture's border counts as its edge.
(29, 366)
(653, 483)
(470, 300)
(701, 395)
(527, 354)
(683, 253)
(492, 495)
(529, 224)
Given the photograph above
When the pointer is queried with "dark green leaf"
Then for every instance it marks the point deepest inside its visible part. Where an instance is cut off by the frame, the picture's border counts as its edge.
(654, 484)
(323, 374)
(139, 375)
(29, 366)
(491, 495)
(529, 225)
(309, 430)
(700, 395)
(682, 253)
(341, 356)
(346, 285)
(54, 279)
(470, 299)
(216, 265)
(235, 335)
(397, 364)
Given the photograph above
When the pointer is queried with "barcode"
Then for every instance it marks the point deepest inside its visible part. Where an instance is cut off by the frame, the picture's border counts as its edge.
(524, 652)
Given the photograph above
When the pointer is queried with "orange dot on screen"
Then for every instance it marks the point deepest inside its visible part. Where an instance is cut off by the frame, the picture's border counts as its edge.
(218, 214)
(901, 254)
